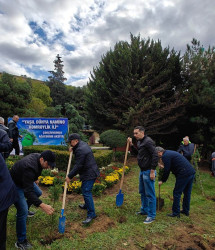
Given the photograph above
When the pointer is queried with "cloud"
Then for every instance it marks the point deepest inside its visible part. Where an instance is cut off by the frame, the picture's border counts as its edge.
(33, 32)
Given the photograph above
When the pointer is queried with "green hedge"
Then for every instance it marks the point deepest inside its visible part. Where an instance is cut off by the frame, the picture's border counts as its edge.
(40, 148)
(102, 157)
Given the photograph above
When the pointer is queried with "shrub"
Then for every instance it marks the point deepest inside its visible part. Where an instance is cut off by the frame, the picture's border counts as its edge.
(40, 148)
(113, 138)
(102, 157)
(119, 156)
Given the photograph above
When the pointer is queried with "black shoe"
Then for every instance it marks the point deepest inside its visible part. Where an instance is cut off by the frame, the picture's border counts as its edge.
(30, 214)
(23, 245)
(140, 213)
(182, 212)
(88, 220)
(82, 206)
(173, 215)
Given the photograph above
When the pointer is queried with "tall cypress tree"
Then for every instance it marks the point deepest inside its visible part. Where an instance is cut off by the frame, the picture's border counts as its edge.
(136, 84)
(56, 83)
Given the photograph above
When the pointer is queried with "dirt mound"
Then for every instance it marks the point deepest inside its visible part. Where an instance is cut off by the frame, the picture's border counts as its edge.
(100, 224)
(188, 238)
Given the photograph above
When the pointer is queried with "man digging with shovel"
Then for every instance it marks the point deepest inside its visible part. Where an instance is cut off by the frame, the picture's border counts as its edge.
(184, 172)
(86, 167)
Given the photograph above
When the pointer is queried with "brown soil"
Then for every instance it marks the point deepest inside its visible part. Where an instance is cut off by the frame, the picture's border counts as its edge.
(100, 224)
(51, 238)
(189, 238)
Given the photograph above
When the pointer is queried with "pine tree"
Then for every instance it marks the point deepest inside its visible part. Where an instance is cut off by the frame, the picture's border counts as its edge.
(136, 84)
(56, 83)
(198, 71)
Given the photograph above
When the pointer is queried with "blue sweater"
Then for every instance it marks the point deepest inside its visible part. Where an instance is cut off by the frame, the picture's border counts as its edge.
(177, 164)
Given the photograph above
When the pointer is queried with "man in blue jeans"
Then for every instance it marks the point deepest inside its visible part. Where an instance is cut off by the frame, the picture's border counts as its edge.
(184, 173)
(147, 161)
(86, 167)
(24, 174)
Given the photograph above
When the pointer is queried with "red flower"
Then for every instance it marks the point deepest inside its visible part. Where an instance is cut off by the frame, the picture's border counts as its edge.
(115, 168)
(102, 175)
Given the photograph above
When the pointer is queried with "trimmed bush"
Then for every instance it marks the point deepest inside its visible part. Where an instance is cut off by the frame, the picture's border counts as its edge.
(102, 157)
(113, 138)
(40, 148)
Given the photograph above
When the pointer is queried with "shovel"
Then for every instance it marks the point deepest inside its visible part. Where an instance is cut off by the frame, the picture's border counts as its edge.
(120, 195)
(160, 201)
(62, 219)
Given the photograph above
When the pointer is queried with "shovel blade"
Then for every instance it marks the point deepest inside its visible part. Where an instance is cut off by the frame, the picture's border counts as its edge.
(62, 223)
(119, 198)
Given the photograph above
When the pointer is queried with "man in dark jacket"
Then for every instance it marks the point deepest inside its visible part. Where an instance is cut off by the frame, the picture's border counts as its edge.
(184, 173)
(186, 148)
(24, 173)
(86, 167)
(8, 194)
(14, 133)
(6, 144)
(147, 161)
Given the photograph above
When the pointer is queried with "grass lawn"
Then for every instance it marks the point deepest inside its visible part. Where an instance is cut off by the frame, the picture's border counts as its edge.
(120, 228)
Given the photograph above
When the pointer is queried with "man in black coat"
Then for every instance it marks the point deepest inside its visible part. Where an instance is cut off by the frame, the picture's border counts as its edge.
(86, 167)
(184, 173)
(14, 133)
(8, 194)
(147, 161)
(24, 174)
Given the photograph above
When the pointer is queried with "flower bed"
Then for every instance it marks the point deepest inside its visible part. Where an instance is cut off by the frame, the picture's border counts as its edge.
(109, 176)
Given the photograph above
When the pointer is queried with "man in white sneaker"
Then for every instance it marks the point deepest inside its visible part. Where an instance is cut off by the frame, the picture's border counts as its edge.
(147, 161)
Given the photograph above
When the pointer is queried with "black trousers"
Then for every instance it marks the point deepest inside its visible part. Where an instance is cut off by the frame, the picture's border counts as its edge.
(3, 229)
(16, 146)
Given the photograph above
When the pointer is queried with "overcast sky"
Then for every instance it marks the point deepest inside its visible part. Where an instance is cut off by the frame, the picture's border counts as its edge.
(33, 32)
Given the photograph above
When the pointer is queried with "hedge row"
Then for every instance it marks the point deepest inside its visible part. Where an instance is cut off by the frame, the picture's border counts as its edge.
(102, 157)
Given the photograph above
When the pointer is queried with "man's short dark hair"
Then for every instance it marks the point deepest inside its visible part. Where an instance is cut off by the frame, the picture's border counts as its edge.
(73, 136)
(141, 128)
(49, 156)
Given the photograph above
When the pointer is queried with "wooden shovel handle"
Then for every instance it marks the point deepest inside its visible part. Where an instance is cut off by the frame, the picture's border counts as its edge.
(125, 160)
(65, 185)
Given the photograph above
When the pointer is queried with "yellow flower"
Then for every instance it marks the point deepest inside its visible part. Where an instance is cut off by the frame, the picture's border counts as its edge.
(75, 185)
(47, 180)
